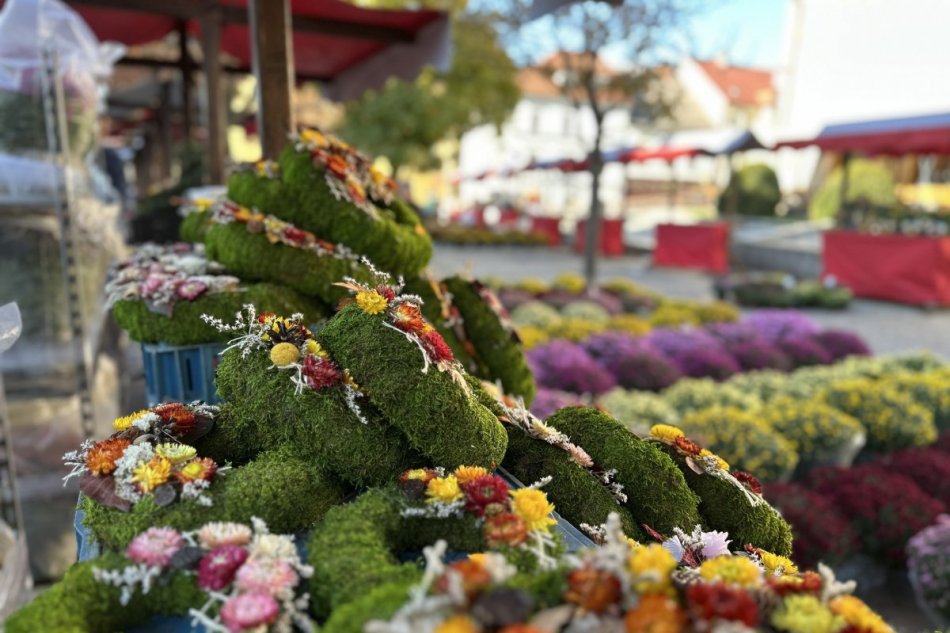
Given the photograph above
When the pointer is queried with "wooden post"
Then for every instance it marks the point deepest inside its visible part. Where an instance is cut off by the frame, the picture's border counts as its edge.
(842, 217)
(733, 190)
(671, 190)
(184, 66)
(273, 67)
(164, 123)
(214, 87)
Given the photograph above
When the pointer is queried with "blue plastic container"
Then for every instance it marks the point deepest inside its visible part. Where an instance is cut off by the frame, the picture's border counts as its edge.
(180, 373)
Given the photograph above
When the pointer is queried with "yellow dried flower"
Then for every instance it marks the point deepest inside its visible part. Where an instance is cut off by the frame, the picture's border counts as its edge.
(776, 565)
(152, 474)
(734, 570)
(284, 354)
(859, 615)
(371, 302)
(443, 490)
(533, 507)
(666, 432)
(175, 453)
(315, 349)
(650, 566)
(465, 474)
(805, 613)
(723, 464)
(457, 624)
(124, 422)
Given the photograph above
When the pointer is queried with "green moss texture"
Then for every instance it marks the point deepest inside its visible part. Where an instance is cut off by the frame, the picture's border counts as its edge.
(252, 256)
(395, 242)
(380, 603)
(656, 491)
(194, 226)
(265, 412)
(438, 417)
(576, 494)
(724, 507)
(185, 326)
(495, 346)
(288, 492)
(80, 604)
(432, 311)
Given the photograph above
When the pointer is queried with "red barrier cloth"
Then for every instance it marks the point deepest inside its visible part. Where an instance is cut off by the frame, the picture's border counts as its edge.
(901, 268)
(696, 246)
(549, 227)
(611, 237)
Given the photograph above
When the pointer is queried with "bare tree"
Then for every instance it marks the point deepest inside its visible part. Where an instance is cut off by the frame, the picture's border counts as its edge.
(643, 33)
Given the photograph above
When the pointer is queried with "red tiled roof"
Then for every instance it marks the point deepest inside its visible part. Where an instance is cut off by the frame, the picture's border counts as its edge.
(742, 86)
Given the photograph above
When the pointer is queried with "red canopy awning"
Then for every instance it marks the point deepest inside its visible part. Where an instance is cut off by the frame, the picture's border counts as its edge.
(929, 134)
(668, 154)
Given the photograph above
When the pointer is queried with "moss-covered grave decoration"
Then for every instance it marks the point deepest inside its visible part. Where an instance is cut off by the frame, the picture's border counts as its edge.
(257, 246)
(729, 501)
(333, 190)
(223, 576)
(356, 547)
(438, 309)
(196, 219)
(160, 292)
(655, 490)
(487, 325)
(405, 368)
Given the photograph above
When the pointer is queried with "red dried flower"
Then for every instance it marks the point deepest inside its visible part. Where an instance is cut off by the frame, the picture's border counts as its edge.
(295, 235)
(320, 372)
(408, 318)
(264, 317)
(217, 568)
(176, 415)
(436, 347)
(338, 165)
(198, 468)
(808, 582)
(688, 446)
(708, 602)
(505, 528)
(386, 291)
(101, 458)
(593, 590)
(748, 480)
(486, 495)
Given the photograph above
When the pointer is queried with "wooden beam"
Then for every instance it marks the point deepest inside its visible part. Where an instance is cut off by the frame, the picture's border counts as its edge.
(168, 8)
(185, 65)
(216, 104)
(274, 68)
(231, 69)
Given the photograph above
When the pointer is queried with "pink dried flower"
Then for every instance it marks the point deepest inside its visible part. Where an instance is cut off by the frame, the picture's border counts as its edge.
(155, 546)
(152, 284)
(248, 611)
(191, 289)
(266, 575)
(217, 568)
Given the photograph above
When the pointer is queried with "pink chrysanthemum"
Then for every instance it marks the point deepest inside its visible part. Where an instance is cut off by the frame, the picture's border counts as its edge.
(155, 546)
(266, 575)
(249, 610)
(217, 568)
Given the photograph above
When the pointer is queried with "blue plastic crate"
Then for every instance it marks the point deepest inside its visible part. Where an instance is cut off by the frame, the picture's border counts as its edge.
(180, 373)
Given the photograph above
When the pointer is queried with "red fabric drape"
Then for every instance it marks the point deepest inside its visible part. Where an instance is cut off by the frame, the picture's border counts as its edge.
(549, 227)
(901, 268)
(611, 237)
(699, 246)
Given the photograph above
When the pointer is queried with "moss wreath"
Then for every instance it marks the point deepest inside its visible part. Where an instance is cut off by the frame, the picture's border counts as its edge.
(445, 318)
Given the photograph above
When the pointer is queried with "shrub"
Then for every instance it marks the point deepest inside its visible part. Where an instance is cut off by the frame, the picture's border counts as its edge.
(931, 390)
(533, 285)
(558, 298)
(707, 363)
(830, 540)
(570, 282)
(756, 191)
(885, 508)
(840, 344)
(535, 313)
(743, 440)
(675, 343)
(547, 401)
(803, 351)
(822, 435)
(632, 362)
(758, 354)
(629, 323)
(636, 410)
(575, 329)
(927, 467)
(587, 311)
(731, 333)
(699, 393)
(623, 287)
(512, 298)
(566, 366)
(673, 315)
(716, 312)
(531, 336)
(928, 564)
(892, 419)
(868, 181)
(761, 385)
(775, 325)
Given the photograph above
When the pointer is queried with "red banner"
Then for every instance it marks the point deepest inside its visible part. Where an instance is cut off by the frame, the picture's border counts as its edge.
(549, 227)
(696, 246)
(611, 237)
(901, 268)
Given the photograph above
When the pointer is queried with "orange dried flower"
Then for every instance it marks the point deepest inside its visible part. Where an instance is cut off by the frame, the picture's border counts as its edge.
(655, 614)
(687, 446)
(338, 165)
(101, 458)
(593, 589)
(505, 528)
(473, 574)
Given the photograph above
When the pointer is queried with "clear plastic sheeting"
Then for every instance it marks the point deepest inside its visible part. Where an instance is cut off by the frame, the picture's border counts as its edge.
(10, 325)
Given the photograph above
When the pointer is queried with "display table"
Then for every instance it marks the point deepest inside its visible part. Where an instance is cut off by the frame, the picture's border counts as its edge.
(696, 246)
(906, 269)
(611, 237)
(549, 227)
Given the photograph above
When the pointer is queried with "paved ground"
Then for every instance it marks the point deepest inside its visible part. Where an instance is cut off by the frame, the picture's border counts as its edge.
(887, 327)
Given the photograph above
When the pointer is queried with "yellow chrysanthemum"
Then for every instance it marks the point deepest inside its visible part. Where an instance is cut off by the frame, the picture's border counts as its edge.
(457, 624)
(650, 566)
(859, 615)
(443, 490)
(465, 474)
(666, 432)
(315, 349)
(175, 453)
(776, 565)
(314, 137)
(734, 570)
(284, 354)
(124, 422)
(805, 613)
(534, 509)
(723, 464)
(152, 474)
(371, 302)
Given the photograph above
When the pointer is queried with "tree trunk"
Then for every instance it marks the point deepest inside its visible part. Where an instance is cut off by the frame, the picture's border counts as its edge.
(592, 246)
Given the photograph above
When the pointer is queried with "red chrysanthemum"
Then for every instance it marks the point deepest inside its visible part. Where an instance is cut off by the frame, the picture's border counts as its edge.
(505, 528)
(486, 495)
(708, 602)
(177, 415)
(320, 372)
(217, 568)
(748, 480)
(687, 445)
(436, 347)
